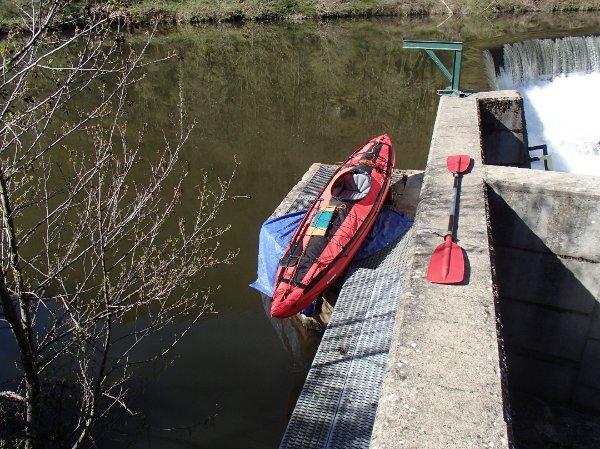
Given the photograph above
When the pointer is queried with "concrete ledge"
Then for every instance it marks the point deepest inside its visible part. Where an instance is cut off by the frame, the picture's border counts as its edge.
(442, 386)
(502, 125)
(562, 208)
(545, 228)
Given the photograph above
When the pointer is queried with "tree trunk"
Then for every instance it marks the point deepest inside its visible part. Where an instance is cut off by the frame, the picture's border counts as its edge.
(33, 397)
(20, 323)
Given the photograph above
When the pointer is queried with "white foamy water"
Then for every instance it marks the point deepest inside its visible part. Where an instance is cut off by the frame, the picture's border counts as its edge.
(564, 113)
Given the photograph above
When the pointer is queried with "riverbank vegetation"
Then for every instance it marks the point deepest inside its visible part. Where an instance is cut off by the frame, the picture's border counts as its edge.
(218, 10)
(198, 11)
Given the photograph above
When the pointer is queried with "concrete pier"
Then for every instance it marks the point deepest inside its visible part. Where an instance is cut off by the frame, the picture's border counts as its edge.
(442, 386)
(526, 319)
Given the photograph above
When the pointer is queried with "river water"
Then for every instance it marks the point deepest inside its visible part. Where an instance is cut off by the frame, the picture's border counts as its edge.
(280, 97)
(562, 113)
(559, 80)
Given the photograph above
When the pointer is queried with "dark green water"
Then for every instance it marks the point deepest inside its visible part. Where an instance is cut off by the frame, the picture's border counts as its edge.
(281, 97)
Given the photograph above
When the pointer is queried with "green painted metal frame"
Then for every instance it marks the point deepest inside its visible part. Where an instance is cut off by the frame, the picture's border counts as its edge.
(454, 76)
(547, 158)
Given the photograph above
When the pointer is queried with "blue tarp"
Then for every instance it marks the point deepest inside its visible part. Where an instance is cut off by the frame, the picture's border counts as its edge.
(276, 233)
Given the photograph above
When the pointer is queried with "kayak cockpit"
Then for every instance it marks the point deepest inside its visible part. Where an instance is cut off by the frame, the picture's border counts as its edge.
(352, 186)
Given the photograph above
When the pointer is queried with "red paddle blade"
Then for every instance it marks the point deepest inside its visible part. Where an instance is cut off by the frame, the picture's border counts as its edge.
(447, 263)
(459, 163)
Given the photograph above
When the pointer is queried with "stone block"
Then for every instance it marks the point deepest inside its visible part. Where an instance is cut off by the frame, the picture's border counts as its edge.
(501, 113)
(502, 131)
(503, 148)
(540, 377)
(546, 279)
(535, 216)
(589, 373)
(545, 331)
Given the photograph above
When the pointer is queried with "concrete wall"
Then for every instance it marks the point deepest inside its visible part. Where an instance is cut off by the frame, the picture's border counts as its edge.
(502, 127)
(442, 386)
(536, 287)
(545, 233)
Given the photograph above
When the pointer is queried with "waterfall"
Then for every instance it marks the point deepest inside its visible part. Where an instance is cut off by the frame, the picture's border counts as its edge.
(543, 59)
(559, 80)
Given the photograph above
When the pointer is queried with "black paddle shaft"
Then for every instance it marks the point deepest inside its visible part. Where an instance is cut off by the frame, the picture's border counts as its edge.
(452, 217)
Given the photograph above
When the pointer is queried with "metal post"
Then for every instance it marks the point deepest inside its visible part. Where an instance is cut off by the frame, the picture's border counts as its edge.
(454, 76)
(456, 70)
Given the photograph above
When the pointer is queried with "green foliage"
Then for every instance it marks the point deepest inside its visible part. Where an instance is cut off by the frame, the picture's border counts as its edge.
(194, 11)
(178, 11)
(9, 13)
(11, 443)
(92, 206)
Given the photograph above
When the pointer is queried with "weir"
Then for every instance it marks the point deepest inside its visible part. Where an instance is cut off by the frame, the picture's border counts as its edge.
(471, 364)
(561, 111)
(509, 357)
(537, 59)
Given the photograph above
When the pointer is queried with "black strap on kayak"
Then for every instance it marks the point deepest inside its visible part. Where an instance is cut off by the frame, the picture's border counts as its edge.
(293, 283)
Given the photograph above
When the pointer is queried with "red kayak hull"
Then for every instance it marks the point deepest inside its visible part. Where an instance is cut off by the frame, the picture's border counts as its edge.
(334, 227)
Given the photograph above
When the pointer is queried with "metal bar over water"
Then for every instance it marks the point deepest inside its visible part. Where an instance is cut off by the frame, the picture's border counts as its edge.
(456, 48)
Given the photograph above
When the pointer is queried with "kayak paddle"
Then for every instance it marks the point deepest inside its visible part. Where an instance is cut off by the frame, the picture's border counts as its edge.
(447, 263)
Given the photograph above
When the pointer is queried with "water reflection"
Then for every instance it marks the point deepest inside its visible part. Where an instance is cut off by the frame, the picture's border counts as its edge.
(281, 97)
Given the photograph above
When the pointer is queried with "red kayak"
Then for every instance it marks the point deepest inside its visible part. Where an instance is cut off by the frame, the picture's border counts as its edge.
(334, 227)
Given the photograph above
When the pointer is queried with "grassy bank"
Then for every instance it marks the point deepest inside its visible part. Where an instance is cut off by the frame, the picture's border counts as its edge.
(181, 11)
(195, 11)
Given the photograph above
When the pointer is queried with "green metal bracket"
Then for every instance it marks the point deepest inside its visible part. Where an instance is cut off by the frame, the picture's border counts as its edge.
(454, 76)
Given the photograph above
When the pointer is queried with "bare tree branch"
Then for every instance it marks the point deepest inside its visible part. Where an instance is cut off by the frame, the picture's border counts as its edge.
(94, 259)
(11, 396)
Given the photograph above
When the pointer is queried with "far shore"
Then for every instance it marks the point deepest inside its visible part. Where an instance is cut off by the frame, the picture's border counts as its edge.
(140, 12)
(194, 11)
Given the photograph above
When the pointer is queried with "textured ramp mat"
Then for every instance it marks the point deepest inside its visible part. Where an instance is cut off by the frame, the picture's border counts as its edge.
(393, 257)
(313, 188)
(337, 405)
(336, 408)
